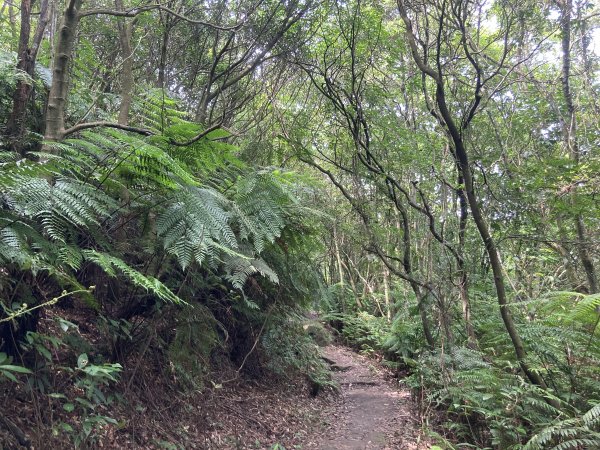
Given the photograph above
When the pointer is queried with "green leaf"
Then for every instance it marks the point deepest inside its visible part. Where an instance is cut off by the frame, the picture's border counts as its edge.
(82, 361)
(8, 375)
(57, 395)
(44, 352)
(69, 407)
(18, 369)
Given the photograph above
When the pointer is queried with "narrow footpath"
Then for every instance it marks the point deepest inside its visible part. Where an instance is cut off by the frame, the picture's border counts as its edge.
(374, 412)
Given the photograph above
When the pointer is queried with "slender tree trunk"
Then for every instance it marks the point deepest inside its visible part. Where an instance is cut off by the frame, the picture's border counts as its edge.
(354, 289)
(408, 269)
(462, 160)
(164, 53)
(15, 125)
(340, 269)
(127, 82)
(53, 14)
(12, 23)
(57, 99)
(386, 295)
(571, 143)
(490, 245)
(463, 282)
(338, 257)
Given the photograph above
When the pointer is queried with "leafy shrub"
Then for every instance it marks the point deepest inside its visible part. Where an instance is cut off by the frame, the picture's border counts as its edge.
(9, 370)
(289, 350)
(194, 341)
(404, 339)
(485, 404)
(364, 331)
(318, 333)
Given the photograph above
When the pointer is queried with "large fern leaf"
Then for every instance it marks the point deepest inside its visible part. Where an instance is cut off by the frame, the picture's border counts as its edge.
(112, 265)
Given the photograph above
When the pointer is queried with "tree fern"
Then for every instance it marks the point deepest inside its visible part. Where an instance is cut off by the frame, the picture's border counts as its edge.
(195, 221)
(111, 264)
(58, 207)
(260, 203)
(578, 432)
(587, 309)
(11, 245)
(237, 270)
(158, 110)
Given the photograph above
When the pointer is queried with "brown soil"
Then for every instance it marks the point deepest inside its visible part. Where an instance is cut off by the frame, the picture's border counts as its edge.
(371, 411)
(374, 411)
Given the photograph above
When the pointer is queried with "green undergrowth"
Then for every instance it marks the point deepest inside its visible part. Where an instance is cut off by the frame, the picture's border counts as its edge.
(477, 397)
(126, 258)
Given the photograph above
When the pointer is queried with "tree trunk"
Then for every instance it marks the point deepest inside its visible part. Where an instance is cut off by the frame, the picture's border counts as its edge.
(386, 294)
(127, 82)
(571, 143)
(462, 160)
(408, 269)
(463, 282)
(12, 23)
(15, 125)
(57, 99)
(340, 269)
(164, 53)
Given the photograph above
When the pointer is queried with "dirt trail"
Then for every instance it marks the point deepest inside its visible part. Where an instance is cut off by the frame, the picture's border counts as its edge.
(373, 413)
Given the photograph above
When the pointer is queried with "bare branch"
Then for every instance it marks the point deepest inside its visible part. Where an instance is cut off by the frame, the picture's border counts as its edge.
(133, 12)
(412, 41)
(106, 124)
(198, 136)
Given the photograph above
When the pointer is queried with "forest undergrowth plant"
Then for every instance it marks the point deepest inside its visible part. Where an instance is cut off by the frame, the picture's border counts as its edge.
(289, 350)
(190, 351)
(582, 431)
(404, 341)
(488, 401)
(90, 407)
(173, 237)
(365, 331)
(485, 405)
(9, 370)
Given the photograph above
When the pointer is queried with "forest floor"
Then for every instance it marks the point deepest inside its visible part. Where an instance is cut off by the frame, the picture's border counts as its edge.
(373, 410)
(370, 411)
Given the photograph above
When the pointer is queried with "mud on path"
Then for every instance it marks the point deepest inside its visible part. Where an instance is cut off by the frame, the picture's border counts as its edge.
(373, 412)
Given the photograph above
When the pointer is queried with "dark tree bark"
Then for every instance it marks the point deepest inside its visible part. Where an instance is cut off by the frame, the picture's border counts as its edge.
(15, 127)
(461, 157)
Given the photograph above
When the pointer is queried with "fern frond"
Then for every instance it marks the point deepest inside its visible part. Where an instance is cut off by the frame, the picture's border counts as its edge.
(111, 264)
(586, 310)
(259, 204)
(11, 246)
(577, 432)
(195, 222)
(239, 269)
(592, 417)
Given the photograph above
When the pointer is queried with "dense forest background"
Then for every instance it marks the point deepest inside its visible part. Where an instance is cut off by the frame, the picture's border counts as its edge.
(183, 182)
